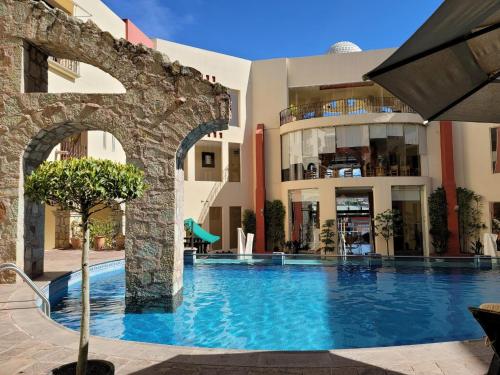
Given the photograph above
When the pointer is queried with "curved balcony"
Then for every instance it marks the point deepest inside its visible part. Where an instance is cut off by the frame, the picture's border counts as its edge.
(342, 107)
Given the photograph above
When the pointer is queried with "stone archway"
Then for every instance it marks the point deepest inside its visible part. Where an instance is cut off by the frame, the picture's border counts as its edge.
(164, 103)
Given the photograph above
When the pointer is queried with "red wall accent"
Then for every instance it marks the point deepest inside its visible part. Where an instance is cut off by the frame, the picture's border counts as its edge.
(260, 190)
(449, 184)
(135, 35)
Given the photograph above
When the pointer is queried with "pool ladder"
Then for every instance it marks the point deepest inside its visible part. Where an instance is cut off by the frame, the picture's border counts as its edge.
(32, 285)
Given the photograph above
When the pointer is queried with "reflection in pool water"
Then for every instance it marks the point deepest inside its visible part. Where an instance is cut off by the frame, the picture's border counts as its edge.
(296, 307)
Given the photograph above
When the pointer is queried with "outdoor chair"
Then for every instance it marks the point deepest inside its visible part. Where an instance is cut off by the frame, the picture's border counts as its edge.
(394, 170)
(488, 317)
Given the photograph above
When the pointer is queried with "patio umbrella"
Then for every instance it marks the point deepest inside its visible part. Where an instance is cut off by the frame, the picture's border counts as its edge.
(449, 69)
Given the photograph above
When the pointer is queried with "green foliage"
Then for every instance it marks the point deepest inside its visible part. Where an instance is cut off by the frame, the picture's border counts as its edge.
(275, 224)
(327, 236)
(82, 184)
(249, 221)
(438, 217)
(469, 219)
(102, 228)
(386, 224)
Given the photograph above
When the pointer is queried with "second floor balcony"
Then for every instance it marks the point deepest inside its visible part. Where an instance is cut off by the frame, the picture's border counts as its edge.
(342, 107)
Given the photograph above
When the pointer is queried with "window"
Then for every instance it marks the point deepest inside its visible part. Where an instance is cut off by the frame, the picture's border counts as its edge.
(353, 151)
(495, 156)
(208, 160)
(495, 221)
(235, 111)
(303, 216)
(234, 162)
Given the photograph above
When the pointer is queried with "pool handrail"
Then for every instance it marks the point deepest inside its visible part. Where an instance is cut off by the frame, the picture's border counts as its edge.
(32, 285)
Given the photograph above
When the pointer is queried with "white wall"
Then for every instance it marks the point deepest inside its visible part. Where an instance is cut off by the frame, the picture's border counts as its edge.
(233, 73)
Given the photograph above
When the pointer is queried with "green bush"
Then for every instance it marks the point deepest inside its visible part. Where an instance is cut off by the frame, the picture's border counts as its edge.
(249, 222)
(328, 236)
(274, 214)
(438, 218)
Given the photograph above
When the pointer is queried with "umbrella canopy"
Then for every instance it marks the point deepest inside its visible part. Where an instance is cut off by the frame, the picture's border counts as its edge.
(449, 69)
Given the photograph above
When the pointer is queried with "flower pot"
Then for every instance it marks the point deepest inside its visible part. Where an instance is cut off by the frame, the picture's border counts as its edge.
(99, 242)
(120, 242)
(76, 243)
(94, 367)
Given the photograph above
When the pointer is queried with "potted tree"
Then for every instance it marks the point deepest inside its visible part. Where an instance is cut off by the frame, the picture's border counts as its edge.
(101, 233)
(76, 234)
(387, 223)
(327, 236)
(85, 186)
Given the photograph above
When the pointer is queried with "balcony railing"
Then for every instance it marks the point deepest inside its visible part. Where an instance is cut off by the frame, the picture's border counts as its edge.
(71, 65)
(339, 107)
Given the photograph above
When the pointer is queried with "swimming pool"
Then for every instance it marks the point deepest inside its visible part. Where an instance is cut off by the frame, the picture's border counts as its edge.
(295, 307)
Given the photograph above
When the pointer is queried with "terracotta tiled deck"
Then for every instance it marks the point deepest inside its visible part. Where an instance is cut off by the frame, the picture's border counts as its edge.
(33, 344)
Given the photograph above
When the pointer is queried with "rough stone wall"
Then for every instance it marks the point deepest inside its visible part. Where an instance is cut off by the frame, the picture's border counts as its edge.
(36, 69)
(164, 103)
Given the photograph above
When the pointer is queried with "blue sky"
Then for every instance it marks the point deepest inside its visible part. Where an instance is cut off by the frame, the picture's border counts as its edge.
(262, 29)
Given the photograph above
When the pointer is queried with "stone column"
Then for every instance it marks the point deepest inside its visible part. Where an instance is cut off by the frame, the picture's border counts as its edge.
(63, 229)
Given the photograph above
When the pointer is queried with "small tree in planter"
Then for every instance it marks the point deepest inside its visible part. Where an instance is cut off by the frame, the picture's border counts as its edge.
(76, 234)
(387, 223)
(84, 186)
(328, 236)
(249, 222)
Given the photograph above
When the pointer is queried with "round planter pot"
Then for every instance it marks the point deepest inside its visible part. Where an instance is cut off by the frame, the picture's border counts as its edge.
(76, 243)
(99, 242)
(94, 367)
(120, 242)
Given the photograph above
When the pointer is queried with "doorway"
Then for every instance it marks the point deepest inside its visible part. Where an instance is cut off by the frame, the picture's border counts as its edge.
(354, 221)
(215, 225)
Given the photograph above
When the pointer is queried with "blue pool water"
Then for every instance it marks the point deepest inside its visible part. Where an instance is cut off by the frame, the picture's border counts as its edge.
(251, 306)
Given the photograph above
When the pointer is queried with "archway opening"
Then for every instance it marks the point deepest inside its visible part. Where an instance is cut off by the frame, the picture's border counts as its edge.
(48, 228)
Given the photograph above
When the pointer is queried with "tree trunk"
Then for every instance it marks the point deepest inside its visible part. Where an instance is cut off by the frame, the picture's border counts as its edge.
(83, 350)
(387, 246)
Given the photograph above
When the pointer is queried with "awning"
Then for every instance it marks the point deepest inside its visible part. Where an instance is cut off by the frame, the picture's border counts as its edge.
(449, 69)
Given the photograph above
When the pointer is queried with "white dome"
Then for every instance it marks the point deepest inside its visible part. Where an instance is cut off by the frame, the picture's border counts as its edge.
(343, 47)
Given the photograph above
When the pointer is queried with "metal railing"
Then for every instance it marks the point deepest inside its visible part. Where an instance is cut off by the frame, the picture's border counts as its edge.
(71, 65)
(339, 107)
(32, 285)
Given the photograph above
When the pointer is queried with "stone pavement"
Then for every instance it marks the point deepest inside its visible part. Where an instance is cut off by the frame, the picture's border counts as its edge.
(32, 344)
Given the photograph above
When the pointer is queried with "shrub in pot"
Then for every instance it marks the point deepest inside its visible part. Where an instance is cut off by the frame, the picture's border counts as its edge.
(101, 233)
(84, 186)
(76, 234)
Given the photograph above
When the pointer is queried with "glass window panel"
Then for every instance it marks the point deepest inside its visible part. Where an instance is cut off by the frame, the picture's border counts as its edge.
(326, 140)
(310, 143)
(296, 147)
(304, 219)
(394, 130)
(411, 134)
(378, 131)
(285, 151)
(353, 136)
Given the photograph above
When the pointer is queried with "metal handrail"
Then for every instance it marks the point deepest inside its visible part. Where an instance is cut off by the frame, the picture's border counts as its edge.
(345, 106)
(37, 290)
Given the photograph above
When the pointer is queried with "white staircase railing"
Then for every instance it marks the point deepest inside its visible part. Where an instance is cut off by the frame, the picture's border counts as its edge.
(212, 195)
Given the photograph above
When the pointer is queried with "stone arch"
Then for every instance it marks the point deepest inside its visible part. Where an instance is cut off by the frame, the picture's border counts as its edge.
(164, 104)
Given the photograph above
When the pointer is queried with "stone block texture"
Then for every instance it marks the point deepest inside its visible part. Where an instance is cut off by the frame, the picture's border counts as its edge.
(165, 110)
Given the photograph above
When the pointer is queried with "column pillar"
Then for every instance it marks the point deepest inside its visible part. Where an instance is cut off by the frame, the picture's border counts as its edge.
(260, 190)
(63, 231)
(449, 185)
